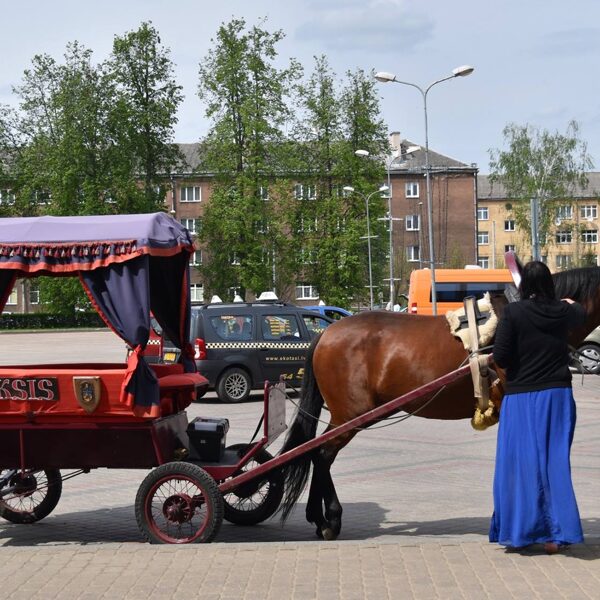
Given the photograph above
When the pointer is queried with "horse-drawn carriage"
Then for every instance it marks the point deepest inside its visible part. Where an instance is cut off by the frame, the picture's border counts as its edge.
(132, 415)
(89, 415)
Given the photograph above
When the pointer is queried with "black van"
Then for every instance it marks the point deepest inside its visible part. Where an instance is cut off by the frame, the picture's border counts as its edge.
(240, 345)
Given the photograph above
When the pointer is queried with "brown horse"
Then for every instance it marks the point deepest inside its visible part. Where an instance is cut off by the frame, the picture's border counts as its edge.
(365, 360)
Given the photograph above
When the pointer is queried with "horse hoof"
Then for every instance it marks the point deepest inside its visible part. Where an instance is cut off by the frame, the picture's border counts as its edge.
(328, 534)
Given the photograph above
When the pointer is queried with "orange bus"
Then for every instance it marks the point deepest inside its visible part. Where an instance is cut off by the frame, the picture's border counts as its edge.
(452, 286)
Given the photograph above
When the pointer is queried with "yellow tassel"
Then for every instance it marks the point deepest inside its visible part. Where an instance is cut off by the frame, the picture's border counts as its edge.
(481, 420)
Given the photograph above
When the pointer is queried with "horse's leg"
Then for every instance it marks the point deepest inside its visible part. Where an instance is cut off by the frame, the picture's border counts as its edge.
(322, 490)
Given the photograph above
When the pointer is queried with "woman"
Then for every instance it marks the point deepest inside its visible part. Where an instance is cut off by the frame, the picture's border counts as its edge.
(534, 501)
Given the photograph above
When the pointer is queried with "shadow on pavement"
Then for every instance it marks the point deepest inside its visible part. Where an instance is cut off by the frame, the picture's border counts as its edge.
(362, 521)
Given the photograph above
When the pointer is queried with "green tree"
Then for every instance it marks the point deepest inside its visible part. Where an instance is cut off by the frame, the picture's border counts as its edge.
(547, 166)
(143, 116)
(336, 123)
(247, 100)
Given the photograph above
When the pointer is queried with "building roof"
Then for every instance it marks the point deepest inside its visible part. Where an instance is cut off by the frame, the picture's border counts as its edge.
(486, 190)
(408, 161)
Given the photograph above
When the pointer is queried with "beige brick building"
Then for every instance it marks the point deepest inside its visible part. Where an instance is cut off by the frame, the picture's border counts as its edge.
(573, 240)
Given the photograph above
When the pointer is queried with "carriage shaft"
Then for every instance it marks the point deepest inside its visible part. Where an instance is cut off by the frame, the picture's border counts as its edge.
(365, 419)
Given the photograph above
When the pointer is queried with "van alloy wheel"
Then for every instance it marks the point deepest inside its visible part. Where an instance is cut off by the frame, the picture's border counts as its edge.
(234, 386)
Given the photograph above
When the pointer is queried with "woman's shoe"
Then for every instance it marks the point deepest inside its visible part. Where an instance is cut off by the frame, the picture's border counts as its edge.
(551, 548)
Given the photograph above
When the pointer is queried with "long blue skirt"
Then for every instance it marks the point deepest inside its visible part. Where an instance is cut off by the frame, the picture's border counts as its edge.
(534, 501)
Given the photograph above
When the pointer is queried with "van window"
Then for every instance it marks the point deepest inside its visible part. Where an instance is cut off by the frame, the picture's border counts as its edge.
(279, 327)
(457, 292)
(315, 325)
(232, 327)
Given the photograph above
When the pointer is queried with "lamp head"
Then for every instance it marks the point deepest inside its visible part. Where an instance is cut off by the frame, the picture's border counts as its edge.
(348, 188)
(361, 152)
(462, 71)
(384, 188)
(385, 77)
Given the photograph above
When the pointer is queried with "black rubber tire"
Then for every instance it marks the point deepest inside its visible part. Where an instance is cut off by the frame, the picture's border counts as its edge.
(234, 386)
(256, 501)
(181, 477)
(33, 506)
(591, 352)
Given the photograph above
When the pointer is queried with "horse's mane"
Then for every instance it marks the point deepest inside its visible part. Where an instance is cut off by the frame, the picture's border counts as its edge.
(579, 284)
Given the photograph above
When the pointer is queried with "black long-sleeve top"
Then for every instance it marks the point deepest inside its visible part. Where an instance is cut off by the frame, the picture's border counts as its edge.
(531, 344)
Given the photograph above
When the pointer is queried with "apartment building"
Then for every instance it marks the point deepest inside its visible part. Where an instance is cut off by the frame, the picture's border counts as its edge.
(572, 241)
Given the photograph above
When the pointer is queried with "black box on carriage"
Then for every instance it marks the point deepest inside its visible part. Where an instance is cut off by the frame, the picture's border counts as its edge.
(207, 438)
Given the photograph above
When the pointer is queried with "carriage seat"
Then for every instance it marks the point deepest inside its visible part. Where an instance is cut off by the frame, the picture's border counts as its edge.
(179, 390)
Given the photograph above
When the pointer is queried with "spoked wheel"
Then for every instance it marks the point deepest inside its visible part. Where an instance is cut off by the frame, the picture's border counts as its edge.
(29, 496)
(255, 501)
(179, 503)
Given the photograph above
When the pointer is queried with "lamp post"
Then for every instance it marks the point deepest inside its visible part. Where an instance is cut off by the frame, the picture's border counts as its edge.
(395, 154)
(385, 77)
(383, 188)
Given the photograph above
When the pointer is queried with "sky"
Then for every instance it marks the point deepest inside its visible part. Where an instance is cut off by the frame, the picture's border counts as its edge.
(536, 62)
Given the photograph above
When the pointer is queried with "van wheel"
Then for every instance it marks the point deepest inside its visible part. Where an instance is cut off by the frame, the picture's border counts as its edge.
(589, 355)
(234, 386)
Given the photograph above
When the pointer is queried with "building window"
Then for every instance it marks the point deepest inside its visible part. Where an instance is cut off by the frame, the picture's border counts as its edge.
(192, 225)
(308, 257)
(7, 197)
(262, 226)
(484, 262)
(196, 258)
(34, 293)
(483, 213)
(413, 253)
(564, 261)
(588, 211)
(564, 237)
(12, 299)
(509, 225)
(509, 248)
(564, 212)
(263, 192)
(483, 237)
(305, 291)
(307, 225)
(305, 192)
(589, 236)
(190, 194)
(197, 292)
(412, 223)
(412, 189)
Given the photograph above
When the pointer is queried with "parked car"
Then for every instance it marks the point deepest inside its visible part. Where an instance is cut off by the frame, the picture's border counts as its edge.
(240, 345)
(588, 353)
(333, 312)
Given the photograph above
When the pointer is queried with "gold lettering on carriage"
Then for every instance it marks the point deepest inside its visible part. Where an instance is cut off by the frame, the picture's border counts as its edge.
(87, 392)
(28, 388)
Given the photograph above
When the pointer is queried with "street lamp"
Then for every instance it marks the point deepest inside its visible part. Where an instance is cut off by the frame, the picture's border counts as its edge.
(383, 188)
(385, 77)
(395, 154)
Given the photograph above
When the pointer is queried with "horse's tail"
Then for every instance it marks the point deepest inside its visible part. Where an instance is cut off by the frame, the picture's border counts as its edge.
(303, 429)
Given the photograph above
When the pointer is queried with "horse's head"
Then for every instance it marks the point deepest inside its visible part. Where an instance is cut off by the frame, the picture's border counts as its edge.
(583, 286)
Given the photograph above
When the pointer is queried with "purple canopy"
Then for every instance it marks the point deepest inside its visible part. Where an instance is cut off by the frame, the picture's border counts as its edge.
(67, 244)
(129, 266)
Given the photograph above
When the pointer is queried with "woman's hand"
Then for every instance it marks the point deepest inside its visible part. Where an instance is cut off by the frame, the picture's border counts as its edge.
(567, 300)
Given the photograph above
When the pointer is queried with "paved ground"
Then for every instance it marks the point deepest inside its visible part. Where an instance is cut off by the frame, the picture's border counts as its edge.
(416, 497)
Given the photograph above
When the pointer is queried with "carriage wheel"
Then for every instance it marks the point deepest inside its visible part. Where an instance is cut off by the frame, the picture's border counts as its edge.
(255, 501)
(179, 503)
(29, 496)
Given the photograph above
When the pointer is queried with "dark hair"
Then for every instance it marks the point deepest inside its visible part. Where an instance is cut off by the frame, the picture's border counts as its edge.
(537, 282)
